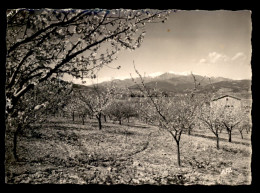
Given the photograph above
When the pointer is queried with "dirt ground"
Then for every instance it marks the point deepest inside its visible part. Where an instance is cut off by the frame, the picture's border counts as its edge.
(63, 152)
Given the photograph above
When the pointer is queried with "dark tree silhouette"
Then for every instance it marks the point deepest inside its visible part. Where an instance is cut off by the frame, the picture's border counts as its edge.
(42, 43)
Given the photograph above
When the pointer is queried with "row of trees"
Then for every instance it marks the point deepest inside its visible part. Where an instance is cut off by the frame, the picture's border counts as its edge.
(178, 115)
(101, 103)
(216, 118)
(44, 43)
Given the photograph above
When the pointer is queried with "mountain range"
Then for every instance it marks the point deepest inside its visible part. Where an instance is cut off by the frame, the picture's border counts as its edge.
(173, 83)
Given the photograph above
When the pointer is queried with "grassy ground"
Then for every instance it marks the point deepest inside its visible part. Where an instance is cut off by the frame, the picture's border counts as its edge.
(64, 152)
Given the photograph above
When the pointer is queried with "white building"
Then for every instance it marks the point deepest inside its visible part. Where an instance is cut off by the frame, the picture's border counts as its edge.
(226, 101)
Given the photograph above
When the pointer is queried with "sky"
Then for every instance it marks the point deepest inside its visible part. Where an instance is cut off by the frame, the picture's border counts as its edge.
(211, 43)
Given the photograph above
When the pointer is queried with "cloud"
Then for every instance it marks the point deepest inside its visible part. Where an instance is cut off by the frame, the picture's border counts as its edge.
(219, 58)
(215, 57)
(202, 60)
(239, 56)
(154, 74)
(181, 73)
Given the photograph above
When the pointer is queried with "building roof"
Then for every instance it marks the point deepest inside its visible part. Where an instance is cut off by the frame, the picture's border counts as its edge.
(215, 99)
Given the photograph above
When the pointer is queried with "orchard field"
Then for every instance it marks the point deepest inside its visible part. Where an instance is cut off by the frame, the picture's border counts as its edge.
(63, 126)
(64, 152)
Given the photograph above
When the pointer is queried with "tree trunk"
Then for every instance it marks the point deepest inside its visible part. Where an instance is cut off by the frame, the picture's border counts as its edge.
(217, 142)
(99, 121)
(15, 142)
(241, 133)
(120, 122)
(178, 153)
(229, 136)
(189, 131)
(73, 116)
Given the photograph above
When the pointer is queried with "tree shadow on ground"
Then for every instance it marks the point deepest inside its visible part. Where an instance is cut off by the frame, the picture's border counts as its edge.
(136, 126)
(120, 132)
(220, 139)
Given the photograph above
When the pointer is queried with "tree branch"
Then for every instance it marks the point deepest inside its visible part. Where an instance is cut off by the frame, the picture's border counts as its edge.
(36, 34)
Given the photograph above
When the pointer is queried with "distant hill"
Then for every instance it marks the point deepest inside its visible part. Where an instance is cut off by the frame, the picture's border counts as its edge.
(239, 88)
(177, 84)
(119, 83)
(183, 83)
(167, 77)
(231, 85)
